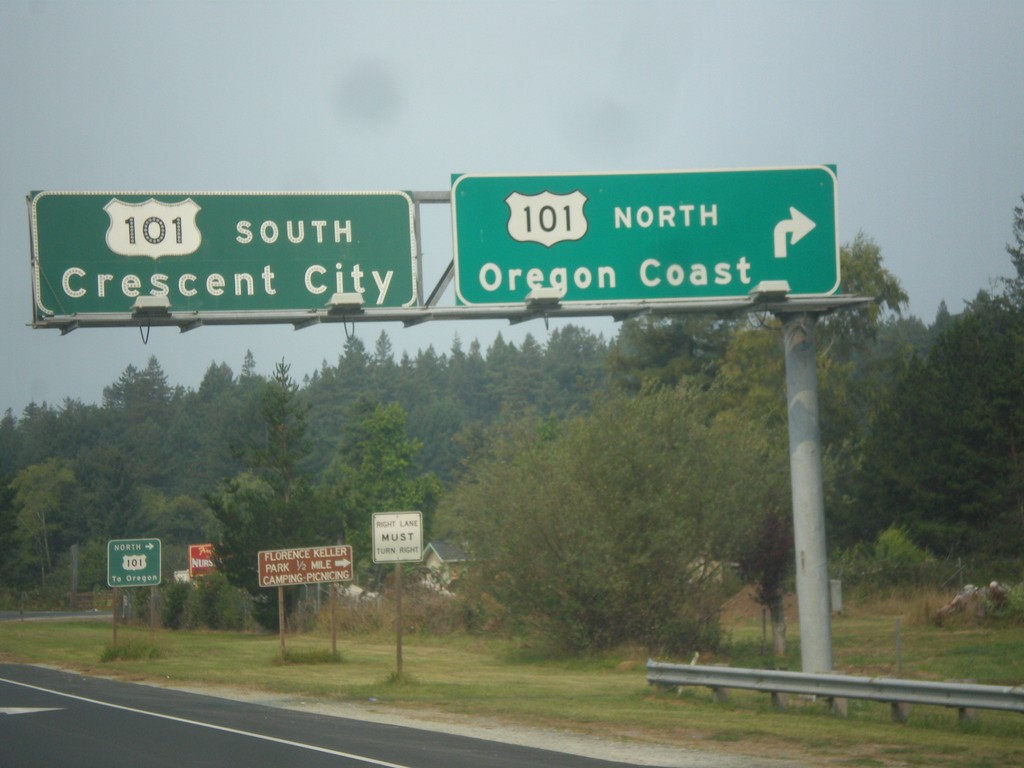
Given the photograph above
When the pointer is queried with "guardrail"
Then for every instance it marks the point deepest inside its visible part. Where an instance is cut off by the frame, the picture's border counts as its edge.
(900, 694)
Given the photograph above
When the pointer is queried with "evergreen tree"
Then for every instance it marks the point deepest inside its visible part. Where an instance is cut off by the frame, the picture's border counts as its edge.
(667, 350)
(109, 498)
(1015, 284)
(9, 443)
(943, 461)
(374, 472)
(249, 367)
(211, 431)
(383, 352)
(145, 406)
(574, 368)
(13, 570)
(467, 383)
(272, 505)
(278, 457)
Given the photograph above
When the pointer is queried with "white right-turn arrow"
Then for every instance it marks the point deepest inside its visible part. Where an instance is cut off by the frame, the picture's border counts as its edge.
(797, 225)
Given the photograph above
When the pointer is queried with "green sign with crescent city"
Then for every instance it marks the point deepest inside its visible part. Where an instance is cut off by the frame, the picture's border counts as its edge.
(211, 252)
(660, 236)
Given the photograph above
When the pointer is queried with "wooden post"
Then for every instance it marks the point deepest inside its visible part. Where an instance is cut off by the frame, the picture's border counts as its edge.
(280, 617)
(72, 597)
(152, 613)
(899, 648)
(764, 630)
(398, 618)
(334, 623)
(115, 604)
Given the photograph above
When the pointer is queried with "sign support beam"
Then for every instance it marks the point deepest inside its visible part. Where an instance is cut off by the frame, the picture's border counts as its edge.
(808, 493)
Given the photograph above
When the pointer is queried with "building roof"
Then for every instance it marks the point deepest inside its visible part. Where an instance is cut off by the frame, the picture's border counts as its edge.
(447, 552)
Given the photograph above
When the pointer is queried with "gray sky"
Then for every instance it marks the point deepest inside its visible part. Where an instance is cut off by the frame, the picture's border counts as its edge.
(917, 104)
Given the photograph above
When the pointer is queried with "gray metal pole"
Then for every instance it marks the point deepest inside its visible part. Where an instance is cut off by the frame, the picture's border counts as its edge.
(808, 494)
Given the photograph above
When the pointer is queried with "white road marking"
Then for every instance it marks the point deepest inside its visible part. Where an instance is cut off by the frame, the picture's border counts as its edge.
(211, 726)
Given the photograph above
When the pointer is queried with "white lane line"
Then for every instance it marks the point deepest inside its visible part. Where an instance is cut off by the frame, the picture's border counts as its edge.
(26, 710)
(211, 726)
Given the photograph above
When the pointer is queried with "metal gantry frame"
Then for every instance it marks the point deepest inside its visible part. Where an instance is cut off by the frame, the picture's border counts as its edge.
(428, 308)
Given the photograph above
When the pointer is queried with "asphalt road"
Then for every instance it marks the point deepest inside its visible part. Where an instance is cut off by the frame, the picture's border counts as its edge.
(52, 718)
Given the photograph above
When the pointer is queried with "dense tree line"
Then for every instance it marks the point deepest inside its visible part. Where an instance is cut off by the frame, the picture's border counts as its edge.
(152, 458)
(945, 457)
(621, 469)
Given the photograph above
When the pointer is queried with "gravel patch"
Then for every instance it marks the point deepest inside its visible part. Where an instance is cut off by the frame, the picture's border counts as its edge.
(630, 752)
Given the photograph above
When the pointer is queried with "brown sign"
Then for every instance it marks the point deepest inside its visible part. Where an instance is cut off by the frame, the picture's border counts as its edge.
(305, 565)
(200, 560)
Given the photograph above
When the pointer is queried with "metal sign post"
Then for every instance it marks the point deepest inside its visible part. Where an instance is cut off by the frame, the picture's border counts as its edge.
(115, 604)
(333, 597)
(812, 585)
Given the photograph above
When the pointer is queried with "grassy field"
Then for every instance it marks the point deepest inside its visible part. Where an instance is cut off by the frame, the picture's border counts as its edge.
(467, 677)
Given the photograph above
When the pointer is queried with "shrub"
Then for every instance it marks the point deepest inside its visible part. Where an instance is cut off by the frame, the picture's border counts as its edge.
(129, 651)
(602, 530)
(894, 550)
(174, 598)
(1015, 603)
(219, 605)
(209, 602)
(893, 560)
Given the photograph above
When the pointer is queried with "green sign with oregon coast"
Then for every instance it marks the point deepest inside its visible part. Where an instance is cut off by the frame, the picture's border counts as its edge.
(660, 236)
(98, 252)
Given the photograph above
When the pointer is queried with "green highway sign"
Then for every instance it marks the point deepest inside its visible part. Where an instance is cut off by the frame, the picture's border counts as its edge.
(133, 563)
(212, 252)
(660, 236)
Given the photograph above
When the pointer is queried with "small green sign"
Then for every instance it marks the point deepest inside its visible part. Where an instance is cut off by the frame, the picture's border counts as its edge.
(662, 236)
(133, 563)
(99, 252)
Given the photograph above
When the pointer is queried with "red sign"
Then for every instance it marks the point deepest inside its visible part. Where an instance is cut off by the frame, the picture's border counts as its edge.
(200, 560)
(305, 565)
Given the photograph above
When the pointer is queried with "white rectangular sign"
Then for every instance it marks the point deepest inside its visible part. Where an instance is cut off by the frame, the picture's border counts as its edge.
(397, 537)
